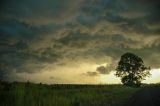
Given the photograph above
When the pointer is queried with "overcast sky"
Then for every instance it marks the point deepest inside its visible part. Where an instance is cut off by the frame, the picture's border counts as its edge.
(76, 41)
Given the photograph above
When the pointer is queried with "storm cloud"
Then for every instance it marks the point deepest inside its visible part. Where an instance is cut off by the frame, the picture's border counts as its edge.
(44, 34)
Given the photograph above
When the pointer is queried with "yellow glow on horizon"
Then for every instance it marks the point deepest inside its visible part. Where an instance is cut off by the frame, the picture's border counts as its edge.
(154, 78)
(78, 75)
(109, 79)
(112, 79)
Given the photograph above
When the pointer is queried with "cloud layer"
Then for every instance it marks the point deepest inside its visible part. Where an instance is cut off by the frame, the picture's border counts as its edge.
(38, 35)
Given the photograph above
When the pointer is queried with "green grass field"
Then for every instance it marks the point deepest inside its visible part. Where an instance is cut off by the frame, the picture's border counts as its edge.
(28, 94)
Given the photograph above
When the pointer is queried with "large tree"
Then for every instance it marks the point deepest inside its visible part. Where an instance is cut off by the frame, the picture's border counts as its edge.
(131, 69)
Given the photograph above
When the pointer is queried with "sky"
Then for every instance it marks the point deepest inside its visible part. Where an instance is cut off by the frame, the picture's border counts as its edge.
(76, 41)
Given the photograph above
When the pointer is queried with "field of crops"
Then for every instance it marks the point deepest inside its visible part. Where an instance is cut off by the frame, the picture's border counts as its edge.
(29, 94)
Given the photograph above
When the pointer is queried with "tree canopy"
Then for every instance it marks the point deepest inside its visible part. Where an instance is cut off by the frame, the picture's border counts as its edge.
(131, 69)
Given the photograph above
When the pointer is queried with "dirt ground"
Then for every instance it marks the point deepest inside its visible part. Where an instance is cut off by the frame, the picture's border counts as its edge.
(149, 96)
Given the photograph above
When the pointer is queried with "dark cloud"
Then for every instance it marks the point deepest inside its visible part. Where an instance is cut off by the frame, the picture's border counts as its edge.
(92, 74)
(39, 11)
(35, 34)
(103, 70)
(109, 67)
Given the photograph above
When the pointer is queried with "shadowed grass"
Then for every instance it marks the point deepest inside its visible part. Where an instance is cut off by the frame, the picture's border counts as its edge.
(29, 94)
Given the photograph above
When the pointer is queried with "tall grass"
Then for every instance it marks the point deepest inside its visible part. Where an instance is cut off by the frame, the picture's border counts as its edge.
(29, 94)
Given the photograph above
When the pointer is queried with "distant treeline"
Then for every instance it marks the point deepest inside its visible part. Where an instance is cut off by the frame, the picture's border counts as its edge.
(6, 85)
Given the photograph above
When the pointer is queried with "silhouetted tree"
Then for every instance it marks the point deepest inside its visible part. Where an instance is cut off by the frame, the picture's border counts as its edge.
(131, 69)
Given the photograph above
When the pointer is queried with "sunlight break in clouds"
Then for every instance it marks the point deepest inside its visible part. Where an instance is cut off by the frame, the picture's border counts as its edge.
(154, 78)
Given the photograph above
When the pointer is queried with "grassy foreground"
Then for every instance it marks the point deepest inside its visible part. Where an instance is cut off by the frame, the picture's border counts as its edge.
(29, 94)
